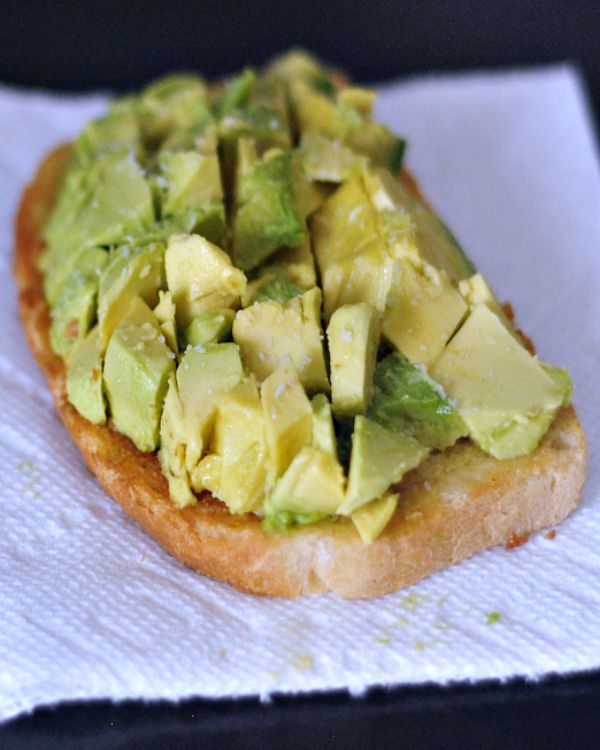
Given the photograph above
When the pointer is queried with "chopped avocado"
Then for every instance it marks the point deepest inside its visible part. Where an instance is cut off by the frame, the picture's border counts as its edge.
(189, 180)
(323, 431)
(379, 459)
(204, 375)
(503, 394)
(118, 128)
(351, 255)
(371, 519)
(173, 103)
(113, 201)
(136, 375)
(273, 284)
(562, 379)
(208, 474)
(236, 93)
(295, 264)
(210, 328)
(165, 314)
(285, 521)
(266, 217)
(309, 194)
(172, 447)
(312, 483)
(272, 333)
(130, 272)
(422, 311)
(437, 246)
(298, 65)
(200, 277)
(288, 418)
(75, 308)
(407, 400)
(353, 336)
(84, 379)
(239, 438)
(328, 160)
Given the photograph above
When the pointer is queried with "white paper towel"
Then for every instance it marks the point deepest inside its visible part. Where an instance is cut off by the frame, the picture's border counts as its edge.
(92, 608)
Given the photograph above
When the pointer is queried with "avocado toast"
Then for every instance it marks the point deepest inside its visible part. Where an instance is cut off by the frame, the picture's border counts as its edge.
(442, 463)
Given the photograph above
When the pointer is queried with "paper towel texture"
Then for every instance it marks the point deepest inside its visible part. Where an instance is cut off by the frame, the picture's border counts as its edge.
(92, 608)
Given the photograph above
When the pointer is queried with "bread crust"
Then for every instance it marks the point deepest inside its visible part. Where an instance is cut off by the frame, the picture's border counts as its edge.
(455, 504)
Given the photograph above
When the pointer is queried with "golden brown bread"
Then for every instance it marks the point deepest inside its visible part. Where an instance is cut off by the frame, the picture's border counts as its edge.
(455, 504)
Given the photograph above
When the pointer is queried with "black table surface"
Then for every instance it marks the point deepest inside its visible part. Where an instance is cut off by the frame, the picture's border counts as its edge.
(75, 45)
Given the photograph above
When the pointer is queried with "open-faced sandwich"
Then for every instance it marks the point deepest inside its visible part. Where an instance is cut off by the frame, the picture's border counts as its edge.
(272, 352)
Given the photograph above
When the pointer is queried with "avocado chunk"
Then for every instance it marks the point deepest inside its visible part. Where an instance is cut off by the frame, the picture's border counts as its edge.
(422, 311)
(200, 277)
(236, 93)
(503, 394)
(84, 378)
(298, 65)
(266, 217)
(437, 246)
(288, 418)
(239, 438)
(327, 159)
(272, 333)
(113, 201)
(204, 375)
(118, 128)
(371, 519)
(136, 375)
(189, 182)
(177, 102)
(172, 448)
(272, 284)
(312, 483)
(165, 315)
(407, 400)
(129, 273)
(354, 264)
(323, 430)
(210, 328)
(379, 459)
(75, 308)
(353, 336)
(475, 290)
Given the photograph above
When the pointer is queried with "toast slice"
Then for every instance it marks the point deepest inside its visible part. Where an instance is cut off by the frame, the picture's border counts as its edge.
(453, 505)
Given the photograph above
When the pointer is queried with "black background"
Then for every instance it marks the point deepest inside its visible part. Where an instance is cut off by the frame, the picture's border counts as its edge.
(82, 45)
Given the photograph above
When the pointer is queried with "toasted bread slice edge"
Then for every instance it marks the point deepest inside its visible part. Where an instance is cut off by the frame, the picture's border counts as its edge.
(455, 504)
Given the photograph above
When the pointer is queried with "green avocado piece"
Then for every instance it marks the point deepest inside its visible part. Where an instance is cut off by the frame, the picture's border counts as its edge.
(328, 159)
(323, 430)
(286, 521)
(75, 308)
(84, 378)
(236, 93)
(210, 328)
(189, 180)
(298, 65)
(113, 201)
(266, 217)
(505, 396)
(137, 367)
(379, 459)
(118, 128)
(273, 284)
(176, 102)
(130, 272)
(407, 400)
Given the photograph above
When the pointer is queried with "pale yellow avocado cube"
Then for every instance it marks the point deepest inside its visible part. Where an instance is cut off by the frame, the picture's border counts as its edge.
(323, 431)
(299, 264)
(312, 110)
(84, 378)
(201, 277)
(127, 275)
(379, 459)
(422, 312)
(288, 418)
(312, 483)
(193, 179)
(204, 375)
(207, 475)
(353, 336)
(371, 519)
(475, 290)
(172, 448)
(503, 394)
(272, 334)
(239, 438)
(165, 314)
